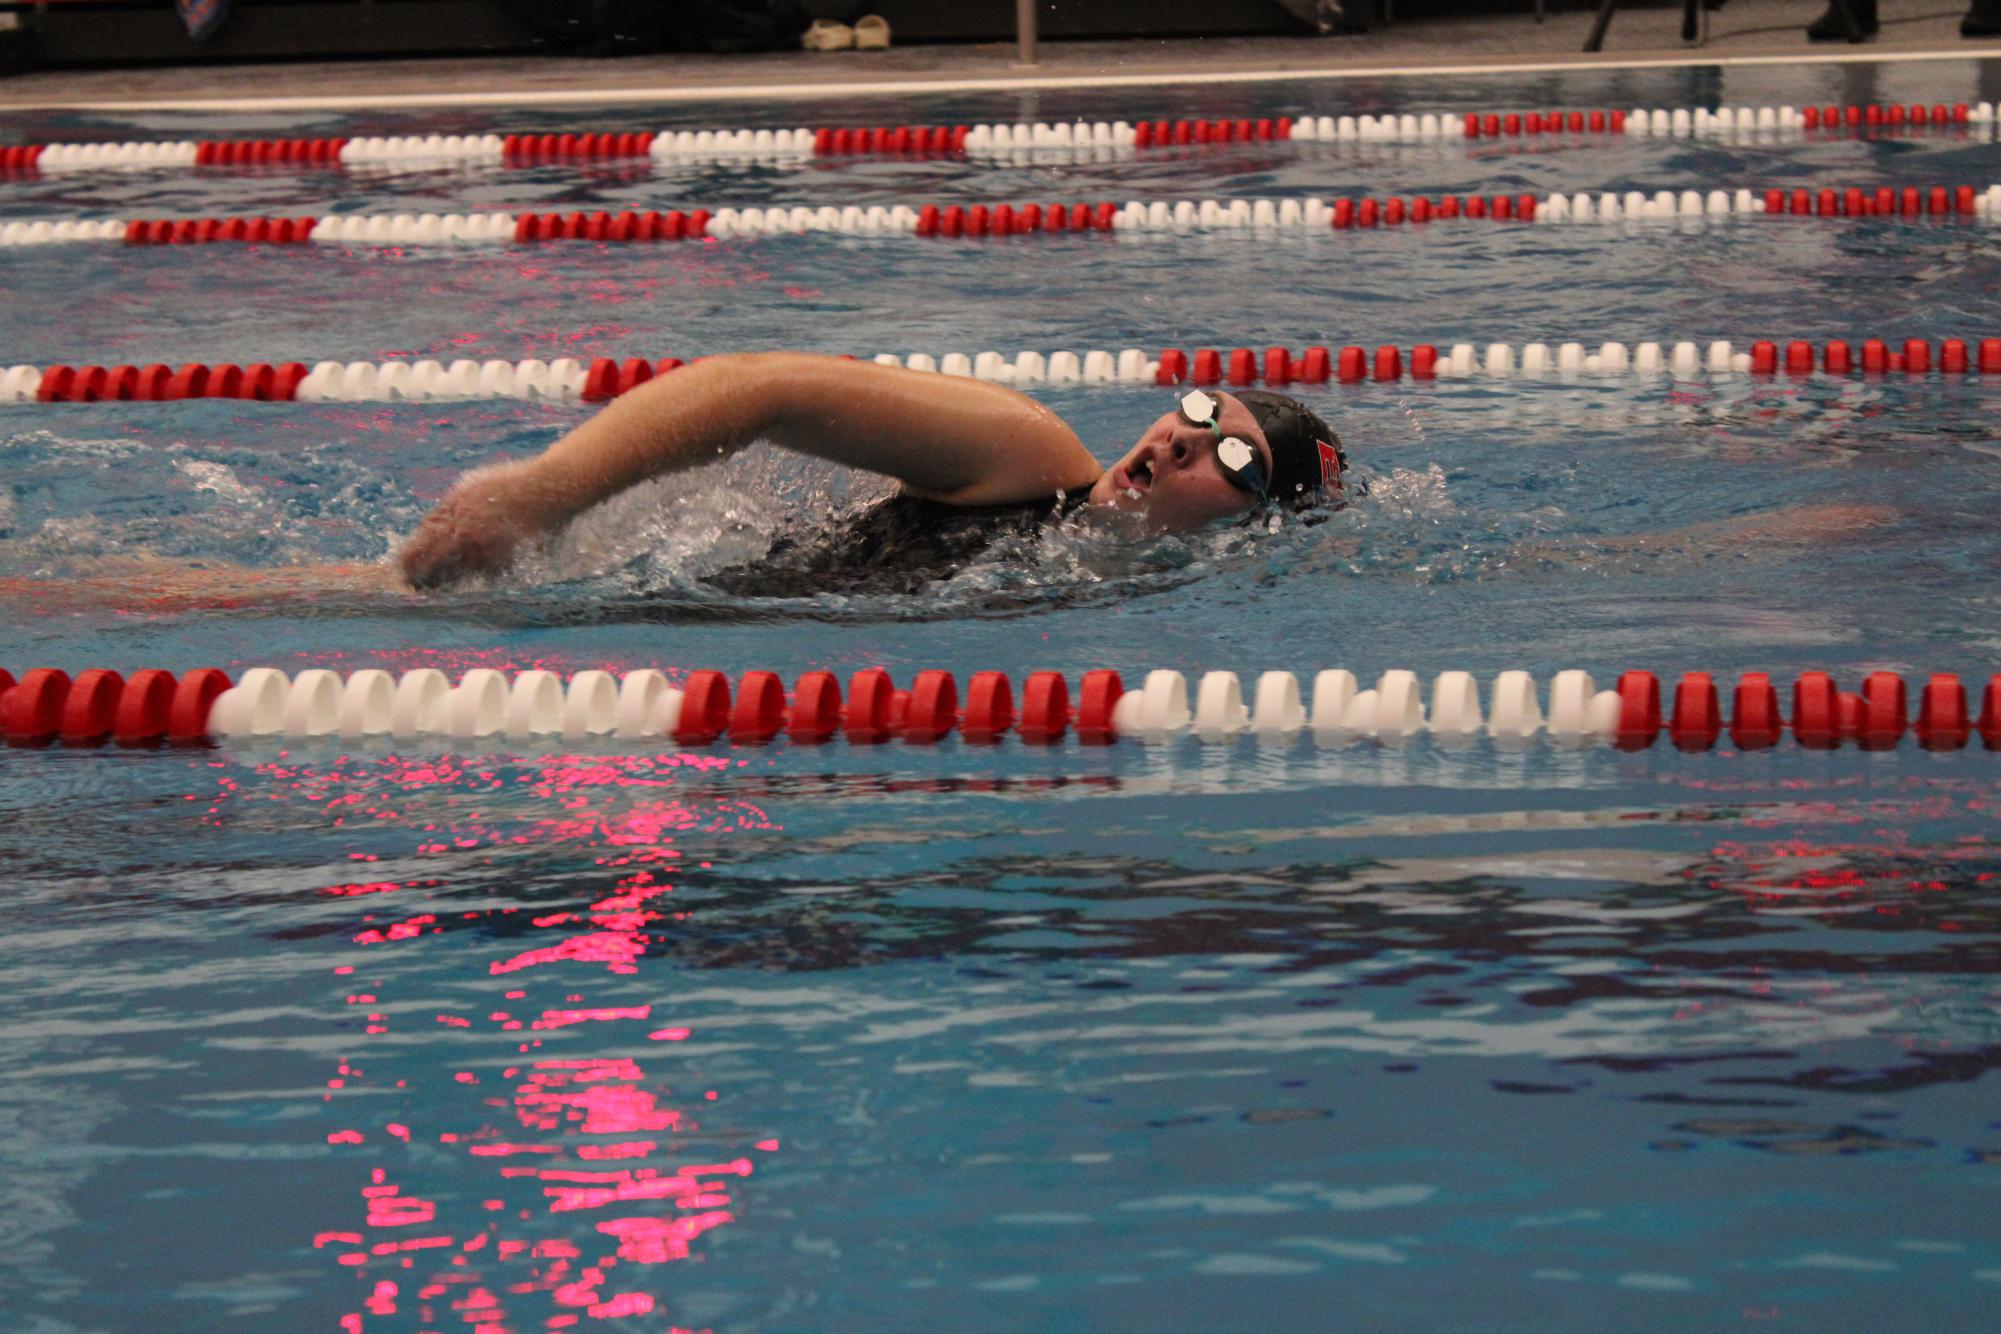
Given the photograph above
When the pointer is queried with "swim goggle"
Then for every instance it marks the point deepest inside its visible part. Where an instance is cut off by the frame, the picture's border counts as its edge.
(1237, 459)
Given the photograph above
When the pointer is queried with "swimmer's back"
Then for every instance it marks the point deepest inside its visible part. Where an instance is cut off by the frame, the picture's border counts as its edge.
(895, 546)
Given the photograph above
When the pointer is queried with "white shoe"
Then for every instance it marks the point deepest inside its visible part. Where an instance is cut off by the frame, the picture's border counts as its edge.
(872, 33)
(827, 35)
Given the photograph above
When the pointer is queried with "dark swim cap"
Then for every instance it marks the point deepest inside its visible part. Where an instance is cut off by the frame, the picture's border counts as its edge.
(1306, 456)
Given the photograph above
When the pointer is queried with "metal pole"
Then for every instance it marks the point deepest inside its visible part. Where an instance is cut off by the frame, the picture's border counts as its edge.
(1024, 31)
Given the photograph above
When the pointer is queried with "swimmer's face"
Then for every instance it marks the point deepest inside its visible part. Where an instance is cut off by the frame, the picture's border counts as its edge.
(1173, 476)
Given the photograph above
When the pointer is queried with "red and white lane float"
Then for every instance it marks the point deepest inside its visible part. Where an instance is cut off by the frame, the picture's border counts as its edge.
(1257, 217)
(593, 707)
(524, 150)
(1675, 122)
(995, 140)
(568, 380)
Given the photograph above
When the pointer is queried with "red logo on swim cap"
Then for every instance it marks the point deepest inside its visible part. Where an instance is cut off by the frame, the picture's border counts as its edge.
(1330, 464)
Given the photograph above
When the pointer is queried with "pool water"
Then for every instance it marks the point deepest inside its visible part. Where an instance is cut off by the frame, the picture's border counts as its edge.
(786, 1037)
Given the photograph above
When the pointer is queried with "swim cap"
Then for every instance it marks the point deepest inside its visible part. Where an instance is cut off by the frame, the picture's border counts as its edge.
(1306, 454)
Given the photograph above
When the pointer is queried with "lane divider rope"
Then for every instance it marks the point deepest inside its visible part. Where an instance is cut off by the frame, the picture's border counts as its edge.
(152, 707)
(570, 380)
(988, 140)
(1026, 219)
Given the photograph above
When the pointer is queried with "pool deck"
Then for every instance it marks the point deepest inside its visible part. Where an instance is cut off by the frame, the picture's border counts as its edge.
(1744, 31)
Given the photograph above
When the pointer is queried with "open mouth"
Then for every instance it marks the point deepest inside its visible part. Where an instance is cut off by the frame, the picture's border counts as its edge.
(1139, 476)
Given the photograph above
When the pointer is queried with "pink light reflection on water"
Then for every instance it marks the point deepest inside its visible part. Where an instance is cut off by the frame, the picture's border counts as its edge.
(580, 1175)
(584, 1114)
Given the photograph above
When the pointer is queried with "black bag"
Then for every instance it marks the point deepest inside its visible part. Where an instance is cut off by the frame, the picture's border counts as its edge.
(202, 17)
(1322, 16)
(748, 25)
(700, 25)
(627, 27)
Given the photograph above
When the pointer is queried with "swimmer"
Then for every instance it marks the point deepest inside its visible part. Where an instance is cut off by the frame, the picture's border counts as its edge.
(973, 460)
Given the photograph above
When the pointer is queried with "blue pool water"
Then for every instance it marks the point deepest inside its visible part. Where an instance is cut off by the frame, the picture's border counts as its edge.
(816, 1038)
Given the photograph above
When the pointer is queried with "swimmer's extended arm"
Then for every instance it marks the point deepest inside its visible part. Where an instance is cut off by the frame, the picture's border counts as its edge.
(961, 441)
(1796, 528)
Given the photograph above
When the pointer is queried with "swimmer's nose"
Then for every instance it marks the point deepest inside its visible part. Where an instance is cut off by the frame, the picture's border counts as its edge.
(1181, 452)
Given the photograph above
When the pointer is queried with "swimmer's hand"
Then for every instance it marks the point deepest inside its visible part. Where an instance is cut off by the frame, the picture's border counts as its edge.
(476, 529)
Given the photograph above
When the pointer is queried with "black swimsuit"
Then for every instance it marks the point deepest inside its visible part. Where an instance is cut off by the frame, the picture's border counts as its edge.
(897, 545)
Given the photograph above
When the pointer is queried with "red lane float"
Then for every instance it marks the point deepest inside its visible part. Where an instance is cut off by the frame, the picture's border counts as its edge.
(1816, 719)
(268, 152)
(157, 383)
(1639, 711)
(1823, 716)
(194, 696)
(1942, 722)
(628, 226)
(989, 708)
(1876, 202)
(144, 711)
(90, 707)
(1698, 714)
(816, 709)
(529, 149)
(100, 705)
(759, 712)
(1755, 723)
(1045, 709)
(933, 709)
(1098, 698)
(205, 231)
(31, 710)
(867, 721)
(705, 709)
(1179, 133)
